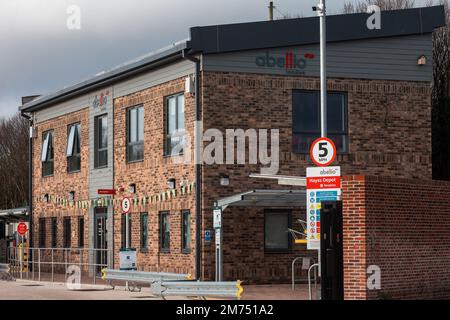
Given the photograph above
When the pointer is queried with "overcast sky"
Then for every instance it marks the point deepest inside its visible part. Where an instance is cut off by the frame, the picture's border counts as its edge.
(39, 54)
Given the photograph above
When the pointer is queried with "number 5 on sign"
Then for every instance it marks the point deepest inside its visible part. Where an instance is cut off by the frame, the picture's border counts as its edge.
(126, 205)
(323, 152)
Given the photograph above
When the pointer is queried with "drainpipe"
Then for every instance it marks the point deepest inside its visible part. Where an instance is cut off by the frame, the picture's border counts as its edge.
(30, 178)
(198, 170)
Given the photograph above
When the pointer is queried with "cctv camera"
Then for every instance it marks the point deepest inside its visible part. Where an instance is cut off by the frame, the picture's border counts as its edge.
(314, 8)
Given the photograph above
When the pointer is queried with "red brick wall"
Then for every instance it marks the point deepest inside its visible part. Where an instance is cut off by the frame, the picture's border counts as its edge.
(150, 177)
(406, 234)
(61, 182)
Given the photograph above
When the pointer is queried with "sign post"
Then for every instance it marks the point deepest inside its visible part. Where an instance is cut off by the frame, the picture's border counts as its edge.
(22, 229)
(126, 206)
(217, 213)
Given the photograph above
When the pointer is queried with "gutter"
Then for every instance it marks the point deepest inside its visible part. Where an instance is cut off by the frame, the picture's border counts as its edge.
(30, 178)
(198, 170)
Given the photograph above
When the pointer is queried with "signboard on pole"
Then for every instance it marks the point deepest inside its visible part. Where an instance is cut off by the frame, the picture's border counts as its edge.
(322, 184)
(323, 152)
(127, 259)
(22, 229)
(126, 205)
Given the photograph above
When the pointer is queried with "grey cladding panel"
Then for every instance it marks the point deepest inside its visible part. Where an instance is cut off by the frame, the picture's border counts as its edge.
(389, 58)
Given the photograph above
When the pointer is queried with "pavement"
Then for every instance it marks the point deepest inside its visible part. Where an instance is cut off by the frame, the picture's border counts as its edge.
(33, 290)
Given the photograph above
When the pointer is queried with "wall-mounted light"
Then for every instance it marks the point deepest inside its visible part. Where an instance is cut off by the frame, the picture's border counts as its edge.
(72, 195)
(171, 184)
(422, 60)
(132, 188)
(224, 180)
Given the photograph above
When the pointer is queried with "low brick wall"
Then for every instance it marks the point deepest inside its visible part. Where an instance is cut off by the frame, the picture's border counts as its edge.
(401, 226)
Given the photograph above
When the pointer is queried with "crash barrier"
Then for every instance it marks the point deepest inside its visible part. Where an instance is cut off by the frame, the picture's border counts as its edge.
(138, 277)
(198, 289)
(54, 264)
(164, 284)
(4, 268)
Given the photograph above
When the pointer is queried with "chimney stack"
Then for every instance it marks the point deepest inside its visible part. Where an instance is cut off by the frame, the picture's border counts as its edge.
(271, 7)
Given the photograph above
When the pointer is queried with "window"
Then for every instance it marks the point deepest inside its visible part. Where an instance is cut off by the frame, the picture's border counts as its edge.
(73, 151)
(80, 232)
(47, 154)
(186, 231)
(144, 230)
(276, 235)
(67, 232)
(42, 233)
(101, 142)
(164, 232)
(174, 131)
(123, 230)
(2, 230)
(306, 120)
(54, 232)
(135, 134)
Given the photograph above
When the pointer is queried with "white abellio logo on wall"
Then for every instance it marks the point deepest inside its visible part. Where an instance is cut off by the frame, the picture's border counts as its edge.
(290, 62)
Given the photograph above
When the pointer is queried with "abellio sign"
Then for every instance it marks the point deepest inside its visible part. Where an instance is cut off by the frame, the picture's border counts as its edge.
(290, 62)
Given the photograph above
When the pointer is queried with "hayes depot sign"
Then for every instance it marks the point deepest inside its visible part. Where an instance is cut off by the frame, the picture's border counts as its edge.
(322, 184)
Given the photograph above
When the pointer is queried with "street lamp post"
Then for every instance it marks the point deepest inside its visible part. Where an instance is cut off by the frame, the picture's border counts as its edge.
(321, 11)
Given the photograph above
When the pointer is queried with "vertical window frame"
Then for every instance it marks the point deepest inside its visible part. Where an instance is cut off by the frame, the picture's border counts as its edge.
(287, 213)
(162, 236)
(67, 232)
(42, 232)
(81, 232)
(168, 151)
(97, 143)
(317, 132)
(186, 240)
(130, 143)
(48, 165)
(74, 156)
(54, 232)
(144, 234)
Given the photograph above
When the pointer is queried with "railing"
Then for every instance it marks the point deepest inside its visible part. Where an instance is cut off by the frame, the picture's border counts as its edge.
(231, 289)
(4, 268)
(52, 264)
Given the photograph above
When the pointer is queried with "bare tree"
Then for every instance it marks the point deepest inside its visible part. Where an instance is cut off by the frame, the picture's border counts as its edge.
(361, 5)
(13, 162)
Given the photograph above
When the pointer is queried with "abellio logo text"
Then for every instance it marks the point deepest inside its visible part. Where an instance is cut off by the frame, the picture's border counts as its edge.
(290, 62)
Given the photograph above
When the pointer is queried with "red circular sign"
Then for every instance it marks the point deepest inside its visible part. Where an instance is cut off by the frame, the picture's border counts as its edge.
(22, 229)
(126, 205)
(323, 152)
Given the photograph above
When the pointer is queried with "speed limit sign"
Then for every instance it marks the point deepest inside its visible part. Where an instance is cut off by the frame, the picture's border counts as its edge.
(126, 205)
(323, 152)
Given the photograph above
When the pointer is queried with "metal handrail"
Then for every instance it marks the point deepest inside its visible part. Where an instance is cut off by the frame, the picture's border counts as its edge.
(316, 265)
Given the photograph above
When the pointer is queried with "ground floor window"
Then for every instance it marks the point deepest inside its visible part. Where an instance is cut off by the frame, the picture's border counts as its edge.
(186, 231)
(276, 235)
(164, 232)
(80, 232)
(123, 230)
(42, 233)
(2, 230)
(67, 232)
(144, 230)
(54, 232)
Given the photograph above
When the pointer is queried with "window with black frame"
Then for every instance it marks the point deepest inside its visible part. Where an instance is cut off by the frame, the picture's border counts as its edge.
(276, 235)
(101, 142)
(144, 231)
(164, 232)
(306, 120)
(80, 232)
(67, 232)
(186, 231)
(47, 154)
(123, 230)
(42, 232)
(73, 151)
(174, 127)
(135, 134)
(54, 222)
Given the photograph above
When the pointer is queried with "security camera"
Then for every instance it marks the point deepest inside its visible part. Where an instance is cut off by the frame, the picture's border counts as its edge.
(314, 8)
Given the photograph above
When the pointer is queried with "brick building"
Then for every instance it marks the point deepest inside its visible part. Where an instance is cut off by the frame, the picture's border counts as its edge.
(120, 130)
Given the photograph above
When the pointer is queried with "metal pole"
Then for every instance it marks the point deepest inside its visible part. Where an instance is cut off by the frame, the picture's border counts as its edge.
(127, 235)
(323, 68)
(271, 7)
(39, 261)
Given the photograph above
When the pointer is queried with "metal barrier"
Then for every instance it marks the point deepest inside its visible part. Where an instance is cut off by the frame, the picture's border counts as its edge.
(309, 278)
(198, 289)
(4, 268)
(51, 264)
(136, 277)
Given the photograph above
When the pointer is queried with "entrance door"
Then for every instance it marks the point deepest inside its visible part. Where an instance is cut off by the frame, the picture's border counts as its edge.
(101, 243)
(331, 249)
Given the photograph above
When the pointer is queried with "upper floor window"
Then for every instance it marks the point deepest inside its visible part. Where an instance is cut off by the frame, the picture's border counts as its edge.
(306, 120)
(47, 154)
(186, 231)
(135, 134)
(101, 142)
(174, 129)
(73, 151)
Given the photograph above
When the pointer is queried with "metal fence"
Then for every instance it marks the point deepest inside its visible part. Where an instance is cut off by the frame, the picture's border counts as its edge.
(53, 264)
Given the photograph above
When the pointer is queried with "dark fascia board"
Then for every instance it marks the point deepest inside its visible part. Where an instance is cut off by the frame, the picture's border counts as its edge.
(148, 62)
(293, 32)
